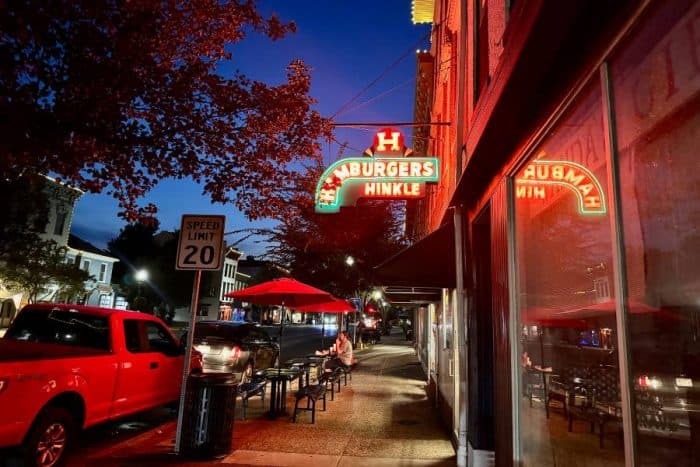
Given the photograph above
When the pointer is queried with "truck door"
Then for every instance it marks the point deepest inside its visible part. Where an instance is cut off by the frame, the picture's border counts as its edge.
(165, 364)
(151, 367)
(135, 384)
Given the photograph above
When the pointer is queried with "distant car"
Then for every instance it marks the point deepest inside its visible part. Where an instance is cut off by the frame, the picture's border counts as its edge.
(370, 327)
(239, 348)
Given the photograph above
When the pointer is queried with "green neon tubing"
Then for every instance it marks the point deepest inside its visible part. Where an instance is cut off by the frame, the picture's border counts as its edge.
(350, 181)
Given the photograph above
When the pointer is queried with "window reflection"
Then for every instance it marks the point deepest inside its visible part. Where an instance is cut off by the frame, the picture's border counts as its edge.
(570, 407)
(656, 83)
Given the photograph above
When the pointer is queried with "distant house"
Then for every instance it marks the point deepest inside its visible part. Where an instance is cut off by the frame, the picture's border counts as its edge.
(99, 265)
(241, 281)
(216, 284)
(61, 200)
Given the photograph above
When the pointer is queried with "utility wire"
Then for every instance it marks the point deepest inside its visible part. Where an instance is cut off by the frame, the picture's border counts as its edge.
(378, 96)
(382, 74)
(372, 99)
(346, 145)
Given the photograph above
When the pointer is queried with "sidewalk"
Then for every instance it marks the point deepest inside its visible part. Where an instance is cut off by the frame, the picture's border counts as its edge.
(382, 418)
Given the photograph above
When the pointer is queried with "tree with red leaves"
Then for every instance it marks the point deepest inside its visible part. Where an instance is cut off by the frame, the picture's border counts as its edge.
(114, 95)
(315, 246)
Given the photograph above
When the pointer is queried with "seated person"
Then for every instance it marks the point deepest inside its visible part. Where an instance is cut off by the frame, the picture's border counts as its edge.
(343, 352)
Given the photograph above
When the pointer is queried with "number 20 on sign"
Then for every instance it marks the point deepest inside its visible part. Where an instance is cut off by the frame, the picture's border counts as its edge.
(201, 242)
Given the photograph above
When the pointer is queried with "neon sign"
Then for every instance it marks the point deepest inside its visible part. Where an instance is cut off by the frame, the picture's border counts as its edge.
(575, 177)
(385, 173)
(388, 142)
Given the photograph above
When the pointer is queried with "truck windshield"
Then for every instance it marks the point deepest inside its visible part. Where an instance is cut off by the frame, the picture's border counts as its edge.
(61, 327)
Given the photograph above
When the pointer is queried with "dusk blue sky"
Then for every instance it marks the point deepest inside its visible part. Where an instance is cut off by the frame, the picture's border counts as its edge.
(348, 45)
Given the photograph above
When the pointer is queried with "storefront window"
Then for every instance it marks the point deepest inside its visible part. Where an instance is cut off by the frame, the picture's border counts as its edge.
(656, 86)
(570, 402)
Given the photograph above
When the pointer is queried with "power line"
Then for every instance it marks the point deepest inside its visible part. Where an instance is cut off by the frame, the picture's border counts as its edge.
(381, 75)
(378, 96)
(347, 145)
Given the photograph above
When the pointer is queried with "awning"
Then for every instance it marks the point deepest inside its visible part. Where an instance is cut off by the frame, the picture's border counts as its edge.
(412, 295)
(430, 262)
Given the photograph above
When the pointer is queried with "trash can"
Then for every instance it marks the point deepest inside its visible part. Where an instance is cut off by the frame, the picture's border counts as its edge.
(207, 424)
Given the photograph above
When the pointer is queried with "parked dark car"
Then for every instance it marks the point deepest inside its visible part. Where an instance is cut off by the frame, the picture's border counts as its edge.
(238, 348)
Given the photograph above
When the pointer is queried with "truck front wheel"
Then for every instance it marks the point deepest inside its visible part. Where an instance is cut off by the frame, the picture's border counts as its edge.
(49, 438)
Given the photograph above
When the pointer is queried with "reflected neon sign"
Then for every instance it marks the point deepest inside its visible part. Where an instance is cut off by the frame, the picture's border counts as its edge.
(532, 182)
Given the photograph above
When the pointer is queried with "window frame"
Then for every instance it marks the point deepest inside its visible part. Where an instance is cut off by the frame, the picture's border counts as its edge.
(60, 224)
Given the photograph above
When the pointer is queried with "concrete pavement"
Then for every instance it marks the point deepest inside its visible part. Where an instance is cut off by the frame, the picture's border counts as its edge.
(382, 418)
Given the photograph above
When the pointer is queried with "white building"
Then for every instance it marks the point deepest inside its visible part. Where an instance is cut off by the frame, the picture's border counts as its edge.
(213, 304)
(61, 200)
(99, 266)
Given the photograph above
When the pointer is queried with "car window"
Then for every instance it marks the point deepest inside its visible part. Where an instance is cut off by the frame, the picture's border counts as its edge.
(261, 335)
(250, 336)
(156, 338)
(256, 335)
(216, 331)
(61, 327)
(132, 336)
(159, 339)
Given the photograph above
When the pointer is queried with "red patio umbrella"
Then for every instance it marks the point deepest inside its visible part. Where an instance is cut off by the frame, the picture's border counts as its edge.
(285, 292)
(335, 305)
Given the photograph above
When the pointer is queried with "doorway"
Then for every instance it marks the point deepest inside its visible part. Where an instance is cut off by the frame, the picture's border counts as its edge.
(481, 432)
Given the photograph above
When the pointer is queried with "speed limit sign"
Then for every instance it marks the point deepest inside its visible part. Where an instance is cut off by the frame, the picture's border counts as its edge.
(201, 247)
(201, 242)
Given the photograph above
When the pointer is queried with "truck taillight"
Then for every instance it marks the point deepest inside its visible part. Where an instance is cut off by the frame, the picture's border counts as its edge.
(4, 382)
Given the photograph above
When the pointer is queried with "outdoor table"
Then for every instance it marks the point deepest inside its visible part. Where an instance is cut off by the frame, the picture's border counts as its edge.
(278, 378)
(308, 362)
(320, 358)
(305, 364)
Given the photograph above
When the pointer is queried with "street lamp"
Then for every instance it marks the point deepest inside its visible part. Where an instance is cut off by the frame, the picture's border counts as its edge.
(350, 262)
(141, 276)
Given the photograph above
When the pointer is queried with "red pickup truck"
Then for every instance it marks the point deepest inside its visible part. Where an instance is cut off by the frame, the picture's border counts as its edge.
(67, 367)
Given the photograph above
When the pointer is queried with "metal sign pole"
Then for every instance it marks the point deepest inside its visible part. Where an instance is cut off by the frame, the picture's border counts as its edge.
(188, 356)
